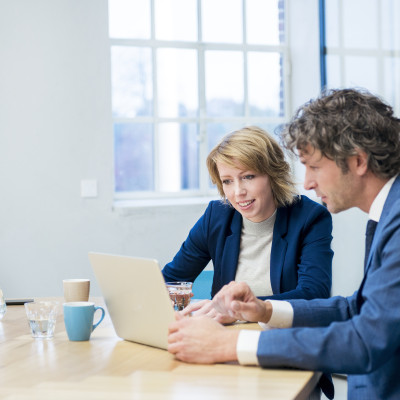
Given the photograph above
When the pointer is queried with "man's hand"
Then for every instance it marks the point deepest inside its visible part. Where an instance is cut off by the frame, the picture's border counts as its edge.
(206, 307)
(201, 340)
(238, 301)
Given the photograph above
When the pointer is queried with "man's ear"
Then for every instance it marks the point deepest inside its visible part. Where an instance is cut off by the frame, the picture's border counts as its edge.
(360, 161)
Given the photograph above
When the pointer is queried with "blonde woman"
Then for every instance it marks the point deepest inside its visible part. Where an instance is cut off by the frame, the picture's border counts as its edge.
(261, 232)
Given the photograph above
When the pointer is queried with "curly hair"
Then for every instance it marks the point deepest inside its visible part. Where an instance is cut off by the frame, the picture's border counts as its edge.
(341, 122)
(256, 150)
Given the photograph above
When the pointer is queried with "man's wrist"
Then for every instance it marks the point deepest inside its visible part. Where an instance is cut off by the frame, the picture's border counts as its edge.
(281, 315)
(226, 350)
(267, 311)
(246, 347)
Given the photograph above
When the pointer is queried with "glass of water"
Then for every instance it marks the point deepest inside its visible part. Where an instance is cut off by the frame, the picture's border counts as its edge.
(3, 306)
(180, 294)
(42, 316)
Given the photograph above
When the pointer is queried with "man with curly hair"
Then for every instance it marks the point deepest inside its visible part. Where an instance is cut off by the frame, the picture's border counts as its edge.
(349, 143)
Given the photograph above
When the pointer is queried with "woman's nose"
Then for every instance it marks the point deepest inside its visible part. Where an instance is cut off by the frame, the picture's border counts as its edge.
(239, 188)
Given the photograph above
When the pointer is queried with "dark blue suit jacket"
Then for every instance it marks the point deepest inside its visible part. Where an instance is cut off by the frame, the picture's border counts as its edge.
(357, 335)
(301, 256)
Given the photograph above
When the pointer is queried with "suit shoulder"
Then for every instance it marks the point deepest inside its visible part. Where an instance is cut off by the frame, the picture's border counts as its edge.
(220, 209)
(304, 203)
(305, 209)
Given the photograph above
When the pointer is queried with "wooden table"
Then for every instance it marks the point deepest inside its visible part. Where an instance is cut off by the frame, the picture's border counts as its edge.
(107, 367)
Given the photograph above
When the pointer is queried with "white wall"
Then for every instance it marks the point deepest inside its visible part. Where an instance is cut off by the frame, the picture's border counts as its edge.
(348, 245)
(55, 130)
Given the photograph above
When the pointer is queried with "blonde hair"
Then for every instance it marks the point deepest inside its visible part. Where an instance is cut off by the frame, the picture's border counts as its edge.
(258, 151)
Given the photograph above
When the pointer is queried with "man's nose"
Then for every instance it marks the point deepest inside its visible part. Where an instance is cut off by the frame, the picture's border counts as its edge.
(309, 183)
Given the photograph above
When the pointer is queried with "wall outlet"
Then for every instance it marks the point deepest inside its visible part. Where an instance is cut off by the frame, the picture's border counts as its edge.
(89, 188)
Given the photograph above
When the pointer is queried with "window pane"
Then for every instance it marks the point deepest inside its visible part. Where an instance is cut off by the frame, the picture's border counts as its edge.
(272, 129)
(131, 81)
(222, 21)
(224, 83)
(390, 24)
(177, 82)
(265, 22)
(360, 30)
(392, 82)
(362, 72)
(265, 86)
(333, 71)
(129, 19)
(178, 157)
(332, 23)
(176, 20)
(216, 131)
(133, 149)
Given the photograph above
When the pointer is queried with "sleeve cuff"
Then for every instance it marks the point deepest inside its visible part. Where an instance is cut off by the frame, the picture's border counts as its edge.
(246, 347)
(282, 315)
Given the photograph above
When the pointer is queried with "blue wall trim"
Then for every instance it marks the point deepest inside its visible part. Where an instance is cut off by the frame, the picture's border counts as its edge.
(322, 44)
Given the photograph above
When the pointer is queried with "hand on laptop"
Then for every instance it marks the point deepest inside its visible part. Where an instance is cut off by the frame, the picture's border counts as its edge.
(206, 307)
(201, 340)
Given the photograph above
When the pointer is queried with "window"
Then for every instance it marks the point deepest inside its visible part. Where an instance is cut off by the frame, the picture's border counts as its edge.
(185, 73)
(363, 46)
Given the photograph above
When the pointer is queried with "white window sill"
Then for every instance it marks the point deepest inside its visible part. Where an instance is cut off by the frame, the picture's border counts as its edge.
(132, 205)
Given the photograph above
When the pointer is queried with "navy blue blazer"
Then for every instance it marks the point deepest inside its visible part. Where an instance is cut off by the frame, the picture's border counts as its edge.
(358, 335)
(301, 255)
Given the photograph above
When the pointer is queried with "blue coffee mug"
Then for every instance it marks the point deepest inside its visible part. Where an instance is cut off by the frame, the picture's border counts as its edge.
(78, 318)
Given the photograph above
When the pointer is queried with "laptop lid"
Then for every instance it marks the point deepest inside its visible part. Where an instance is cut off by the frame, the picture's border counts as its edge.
(136, 297)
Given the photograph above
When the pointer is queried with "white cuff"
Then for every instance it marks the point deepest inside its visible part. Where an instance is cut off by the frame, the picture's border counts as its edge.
(246, 347)
(282, 315)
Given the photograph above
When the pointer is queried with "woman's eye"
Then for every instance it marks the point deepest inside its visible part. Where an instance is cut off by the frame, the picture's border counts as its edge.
(248, 177)
(226, 181)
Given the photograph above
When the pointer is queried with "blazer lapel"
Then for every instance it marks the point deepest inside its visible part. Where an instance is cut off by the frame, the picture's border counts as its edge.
(394, 194)
(230, 254)
(278, 250)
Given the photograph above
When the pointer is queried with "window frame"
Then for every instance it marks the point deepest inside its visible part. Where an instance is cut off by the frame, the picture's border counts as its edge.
(204, 191)
(379, 54)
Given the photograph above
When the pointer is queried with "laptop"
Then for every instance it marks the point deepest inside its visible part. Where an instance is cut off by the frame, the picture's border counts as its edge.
(136, 297)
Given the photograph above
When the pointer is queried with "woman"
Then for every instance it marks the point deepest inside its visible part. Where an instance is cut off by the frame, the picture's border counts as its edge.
(262, 233)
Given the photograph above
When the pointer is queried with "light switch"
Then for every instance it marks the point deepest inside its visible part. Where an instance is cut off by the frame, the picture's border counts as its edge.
(89, 188)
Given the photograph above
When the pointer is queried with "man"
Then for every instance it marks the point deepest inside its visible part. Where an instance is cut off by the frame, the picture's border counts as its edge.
(349, 142)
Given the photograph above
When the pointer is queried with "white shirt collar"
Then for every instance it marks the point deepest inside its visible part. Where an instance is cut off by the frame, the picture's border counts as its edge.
(377, 205)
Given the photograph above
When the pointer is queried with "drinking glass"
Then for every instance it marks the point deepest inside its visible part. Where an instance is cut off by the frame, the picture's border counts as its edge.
(42, 316)
(180, 293)
(3, 306)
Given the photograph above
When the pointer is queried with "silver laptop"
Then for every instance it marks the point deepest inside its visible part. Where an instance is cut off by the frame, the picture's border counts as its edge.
(136, 297)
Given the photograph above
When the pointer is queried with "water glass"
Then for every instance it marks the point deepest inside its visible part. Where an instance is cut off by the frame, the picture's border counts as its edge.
(42, 316)
(180, 293)
(3, 306)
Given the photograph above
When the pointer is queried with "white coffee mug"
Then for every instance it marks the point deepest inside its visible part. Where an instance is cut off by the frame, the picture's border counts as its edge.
(76, 289)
